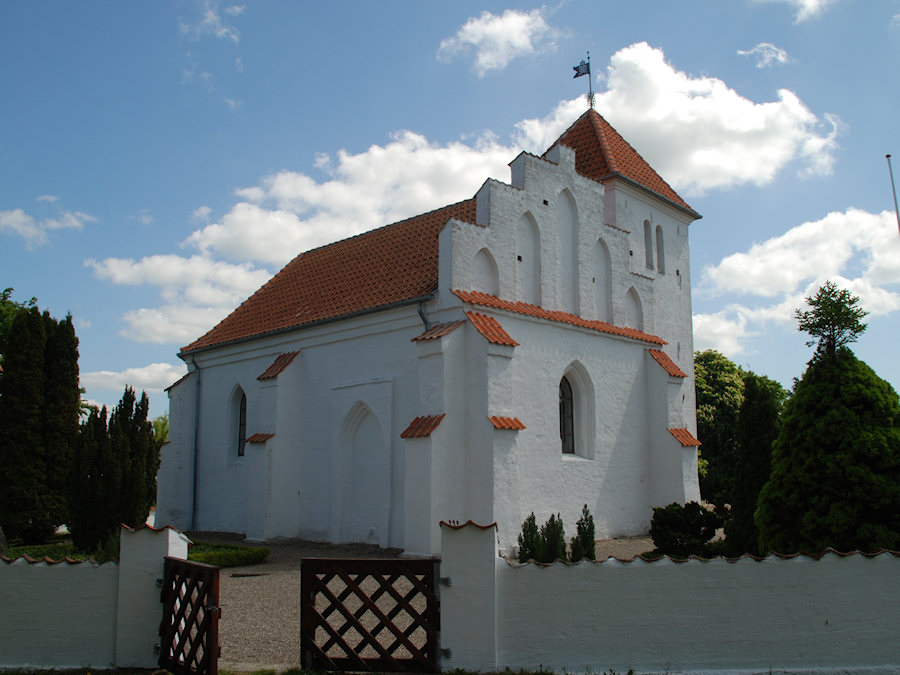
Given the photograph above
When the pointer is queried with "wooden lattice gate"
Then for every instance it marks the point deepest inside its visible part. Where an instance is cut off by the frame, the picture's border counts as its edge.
(189, 630)
(369, 615)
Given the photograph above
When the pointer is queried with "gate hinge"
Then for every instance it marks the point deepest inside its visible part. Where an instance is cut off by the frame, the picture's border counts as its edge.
(445, 581)
(446, 653)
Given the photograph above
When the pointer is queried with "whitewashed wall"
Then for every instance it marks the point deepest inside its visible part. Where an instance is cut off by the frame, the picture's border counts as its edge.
(337, 470)
(832, 615)
(76, 615)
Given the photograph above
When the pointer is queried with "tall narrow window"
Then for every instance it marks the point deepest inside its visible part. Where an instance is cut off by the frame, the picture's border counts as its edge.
(242, 425)
(566, 417)
(660, 251)
(648, 245)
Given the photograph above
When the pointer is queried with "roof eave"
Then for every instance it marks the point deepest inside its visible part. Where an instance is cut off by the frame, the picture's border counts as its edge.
(686, 210)
(310, 324)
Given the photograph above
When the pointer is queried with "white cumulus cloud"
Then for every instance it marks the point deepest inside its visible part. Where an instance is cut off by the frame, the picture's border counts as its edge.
(35, 231)
(290, 212)
(498, 39)
(766, 54)
(805, 9)
(153, 377)
(697, 132)
(198, 292)
(858, 250)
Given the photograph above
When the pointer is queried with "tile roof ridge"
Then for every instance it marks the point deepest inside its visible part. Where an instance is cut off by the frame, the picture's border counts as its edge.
(386, 226)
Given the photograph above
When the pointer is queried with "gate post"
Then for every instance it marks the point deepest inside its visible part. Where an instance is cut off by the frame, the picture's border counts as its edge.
(142, 555)
(468, 597)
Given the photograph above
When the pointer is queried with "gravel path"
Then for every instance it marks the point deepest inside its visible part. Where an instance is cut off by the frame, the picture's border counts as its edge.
(259, 627)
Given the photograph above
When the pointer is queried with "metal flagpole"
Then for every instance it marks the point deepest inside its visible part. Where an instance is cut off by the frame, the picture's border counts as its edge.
(894, 188)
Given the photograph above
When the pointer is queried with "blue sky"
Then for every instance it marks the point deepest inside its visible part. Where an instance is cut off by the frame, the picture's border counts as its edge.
(159, 161)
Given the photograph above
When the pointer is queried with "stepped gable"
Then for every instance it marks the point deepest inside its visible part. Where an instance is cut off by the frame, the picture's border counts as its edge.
(375, 269)
(601, 153)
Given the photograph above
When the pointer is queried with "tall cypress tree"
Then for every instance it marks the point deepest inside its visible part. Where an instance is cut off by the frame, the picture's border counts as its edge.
(60, 411)
(94, 484)
(757, 427)
(25, 510)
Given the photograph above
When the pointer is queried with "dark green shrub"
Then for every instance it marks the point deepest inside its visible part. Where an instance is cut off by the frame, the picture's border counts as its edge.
(545, 545)
(528, 539)
(552, 544)
(583, 543)
(684, 530)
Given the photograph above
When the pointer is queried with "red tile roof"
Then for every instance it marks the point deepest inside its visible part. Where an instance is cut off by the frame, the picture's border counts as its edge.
(377, 269)
(422, 426)
(685, 437)
(491, 329)
(439, 330)
(668, 364)
(398, 263)
(485, 300)
(601, 153)
(511, 423)
(259, 438)
(281, 362)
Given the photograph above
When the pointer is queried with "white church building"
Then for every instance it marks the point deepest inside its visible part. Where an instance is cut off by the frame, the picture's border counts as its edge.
(526, 350)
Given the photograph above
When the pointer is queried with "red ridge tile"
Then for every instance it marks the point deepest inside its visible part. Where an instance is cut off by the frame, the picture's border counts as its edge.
(422, 426)
(685, 437)
(667, 363)
(281, 362)
(439, 330)
(491, 329)
(511, 423)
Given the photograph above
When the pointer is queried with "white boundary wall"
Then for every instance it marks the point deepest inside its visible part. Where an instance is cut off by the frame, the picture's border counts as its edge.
(837, 614)
(75, 615)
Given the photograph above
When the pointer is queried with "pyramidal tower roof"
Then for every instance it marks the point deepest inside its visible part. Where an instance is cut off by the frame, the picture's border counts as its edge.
(602, 154)
(398, 264)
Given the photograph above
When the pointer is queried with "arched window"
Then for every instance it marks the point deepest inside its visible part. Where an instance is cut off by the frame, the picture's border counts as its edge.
(660, 251)
(648, 245)
(566, 417)
(241, 423)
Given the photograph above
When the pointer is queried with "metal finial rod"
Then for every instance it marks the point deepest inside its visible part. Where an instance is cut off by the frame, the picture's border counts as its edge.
(894, 188)
(590, 83)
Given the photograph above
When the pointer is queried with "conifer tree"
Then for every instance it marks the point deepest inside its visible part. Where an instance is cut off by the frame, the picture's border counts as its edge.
(835, 478)
(94, 483)
(25, 510)
(757, 426)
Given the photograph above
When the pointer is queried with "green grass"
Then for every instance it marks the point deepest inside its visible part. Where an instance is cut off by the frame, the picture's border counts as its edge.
(228, 555)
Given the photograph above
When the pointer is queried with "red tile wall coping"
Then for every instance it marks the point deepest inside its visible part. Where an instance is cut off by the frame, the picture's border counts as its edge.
(485, 300)
(512, 423)
(259, 438)
(668, 364)
(422, 426)
(281, 362)
(439, 330)
(685, 437)
(456, 525)
(491, 329)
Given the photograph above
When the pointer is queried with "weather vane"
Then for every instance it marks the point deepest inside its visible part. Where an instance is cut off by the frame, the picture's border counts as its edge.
(584, 68)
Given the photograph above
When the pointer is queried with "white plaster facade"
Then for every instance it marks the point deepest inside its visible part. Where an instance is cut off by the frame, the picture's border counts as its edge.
(331, 464)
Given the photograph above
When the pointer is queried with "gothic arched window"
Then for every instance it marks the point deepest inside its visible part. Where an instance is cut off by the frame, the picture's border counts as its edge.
(566, 417)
